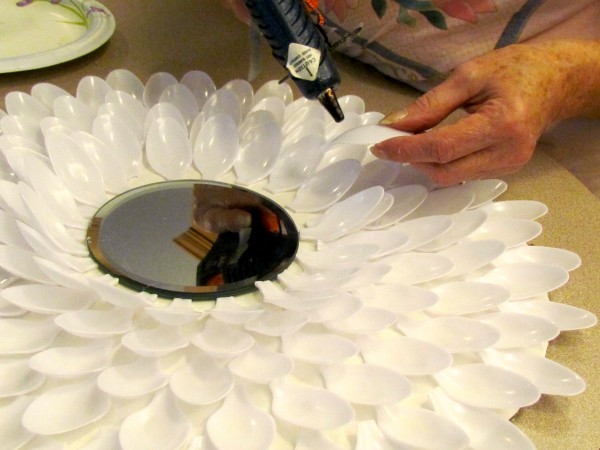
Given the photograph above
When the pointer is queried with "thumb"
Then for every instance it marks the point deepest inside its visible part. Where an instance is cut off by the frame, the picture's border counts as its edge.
(430, 108)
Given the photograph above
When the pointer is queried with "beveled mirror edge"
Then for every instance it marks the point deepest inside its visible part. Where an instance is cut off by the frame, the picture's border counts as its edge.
(195, 293)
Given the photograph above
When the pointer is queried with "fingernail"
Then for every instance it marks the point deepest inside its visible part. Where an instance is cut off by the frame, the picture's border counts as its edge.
(376, 151)
(394, 117)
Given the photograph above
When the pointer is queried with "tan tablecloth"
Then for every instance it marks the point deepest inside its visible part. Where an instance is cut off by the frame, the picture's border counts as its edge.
(155, 35)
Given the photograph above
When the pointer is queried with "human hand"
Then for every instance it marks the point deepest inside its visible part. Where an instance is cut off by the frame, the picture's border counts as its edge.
(510, 95)
(239, 9)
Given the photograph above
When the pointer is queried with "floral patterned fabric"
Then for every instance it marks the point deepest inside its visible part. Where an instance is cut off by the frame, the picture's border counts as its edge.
(418, 41)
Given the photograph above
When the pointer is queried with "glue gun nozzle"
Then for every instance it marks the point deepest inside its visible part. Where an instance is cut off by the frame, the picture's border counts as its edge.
(330, 102)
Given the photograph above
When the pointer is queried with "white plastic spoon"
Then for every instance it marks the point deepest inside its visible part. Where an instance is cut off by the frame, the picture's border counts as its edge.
(201, 381)
(467, 297)
(334, 129)
(292, 300)
(111, 166)
(244, 91)
(133, 105)
(345, 215)
(156, 342)
(420, 428)
(23, 104)
(133, 379)
(21, 263)
(47, 93)
(389, 241)
(511, 232)
(318, 348)
(160, 425)
(369, 134)
(519, 330)
(216, 147)
(73, 406)
(183, 99)
(274, 105)
(549, 376)
(25, 127)
(260, 365)
(48, 223)
(406, 199)
(310, 439)
(397, 297)
(472, 255)
(326, 187)
(524, 280)
(273, 88)
(309, 407)
(77, 170)
(221, 340)
(298, 162)
(378, 172)
(73, 111)
(228, 310)
(338, 307)
(125, 81)
(95, 324)
(10, 233)
(484, 386)
(485, 429)
(369, 436)
(405, 355)
(277, 323)
(463, 224)
(414, 268)
(223, 101)
(55, 193)
(121, 141)
(485, 190)
(350, 254)
(239, 420)
(515, 209)
(155, 86)
(366, 384)
(445, 201)
(565, 317)
(258, 154)
(423, 230)
(366, 320)
(178, 311)
(454, 333)
(17, 378)
(14, 435)
(566, 259)
(168, 149)
(92, 91)
(201, 85)
(44, 299)
(73, 362)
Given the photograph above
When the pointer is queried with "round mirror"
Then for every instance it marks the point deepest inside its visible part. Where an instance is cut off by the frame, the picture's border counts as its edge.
(192, 239)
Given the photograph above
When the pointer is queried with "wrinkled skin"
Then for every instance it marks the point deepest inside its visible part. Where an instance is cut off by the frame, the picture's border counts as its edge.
(510, 97)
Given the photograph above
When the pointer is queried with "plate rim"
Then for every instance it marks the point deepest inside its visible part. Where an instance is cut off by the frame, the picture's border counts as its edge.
(101, 27)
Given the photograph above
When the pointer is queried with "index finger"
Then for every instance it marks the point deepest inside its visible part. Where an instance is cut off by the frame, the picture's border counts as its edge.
(444, 144)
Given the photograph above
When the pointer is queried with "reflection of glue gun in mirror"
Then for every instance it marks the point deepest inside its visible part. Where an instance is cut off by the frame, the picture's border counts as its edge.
(248, 237)
(299, 45)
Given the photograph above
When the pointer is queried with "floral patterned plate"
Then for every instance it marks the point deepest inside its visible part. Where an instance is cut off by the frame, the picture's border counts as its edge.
(42, 33)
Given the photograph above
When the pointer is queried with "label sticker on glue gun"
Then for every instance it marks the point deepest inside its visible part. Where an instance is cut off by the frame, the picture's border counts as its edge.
(303, 61)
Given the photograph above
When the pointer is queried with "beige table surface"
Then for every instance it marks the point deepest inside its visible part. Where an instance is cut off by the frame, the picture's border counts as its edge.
(177, 36)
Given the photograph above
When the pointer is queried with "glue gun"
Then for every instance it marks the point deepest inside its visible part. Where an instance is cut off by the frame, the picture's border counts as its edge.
(300, 47)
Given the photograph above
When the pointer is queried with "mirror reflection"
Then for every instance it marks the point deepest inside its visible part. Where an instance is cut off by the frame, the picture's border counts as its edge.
(192, 239)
